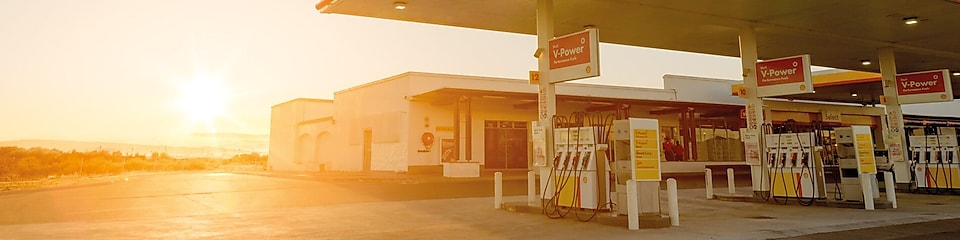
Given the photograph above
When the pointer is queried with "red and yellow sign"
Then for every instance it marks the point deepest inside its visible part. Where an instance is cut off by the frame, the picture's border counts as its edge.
(781, 71)
(784, 76)
(921, 87)
(574, 56)
(922, 82)
(570, 50)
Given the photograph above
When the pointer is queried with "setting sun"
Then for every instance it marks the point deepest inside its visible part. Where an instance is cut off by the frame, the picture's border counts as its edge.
(203, 100)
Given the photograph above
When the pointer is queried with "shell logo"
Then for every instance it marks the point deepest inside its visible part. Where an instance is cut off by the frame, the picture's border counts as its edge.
(943, 96)
(588, 69)
(584, 179)
(806, 175)
(919, 168)
(803, 87)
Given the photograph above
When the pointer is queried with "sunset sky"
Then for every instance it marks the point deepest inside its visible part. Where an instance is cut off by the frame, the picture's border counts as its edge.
(174, 72)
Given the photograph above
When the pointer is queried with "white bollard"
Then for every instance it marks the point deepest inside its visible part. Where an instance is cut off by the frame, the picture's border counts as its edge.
(531, 189)
(497, 190)
(708, 177)
(867, 187)
(891, 188)
(672, 202)
(731, 186)
(633, 207)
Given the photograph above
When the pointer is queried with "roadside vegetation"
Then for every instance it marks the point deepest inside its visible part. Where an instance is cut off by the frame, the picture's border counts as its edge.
(19, 164)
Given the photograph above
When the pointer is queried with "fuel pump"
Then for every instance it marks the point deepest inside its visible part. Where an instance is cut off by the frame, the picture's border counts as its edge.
(934, 160)
(580, 177)
(795, 171)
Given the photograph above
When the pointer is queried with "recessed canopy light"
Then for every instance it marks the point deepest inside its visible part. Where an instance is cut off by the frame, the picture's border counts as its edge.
(865, 62)
(853, 94)
(956, 73)
(910, 21)
(399, 5)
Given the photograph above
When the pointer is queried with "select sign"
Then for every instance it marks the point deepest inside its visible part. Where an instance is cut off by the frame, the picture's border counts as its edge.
(922, 87)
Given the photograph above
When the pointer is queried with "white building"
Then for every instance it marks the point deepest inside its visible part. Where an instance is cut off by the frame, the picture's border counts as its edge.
(386, 125)
(406, 123)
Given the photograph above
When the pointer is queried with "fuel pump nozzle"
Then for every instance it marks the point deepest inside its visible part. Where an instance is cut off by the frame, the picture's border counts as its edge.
(793, 159)
(805, 159)
(585, 161)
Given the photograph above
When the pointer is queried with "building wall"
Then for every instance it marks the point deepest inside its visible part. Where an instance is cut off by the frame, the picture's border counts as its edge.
(945, 109)
(698, 89)
(381, 108)
(427, 118)
(294, 130)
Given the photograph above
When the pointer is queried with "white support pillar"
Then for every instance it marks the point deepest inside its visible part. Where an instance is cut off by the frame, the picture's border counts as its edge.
(633, 206)
(708, 179)
(532, 189)
(753, 103)
(547, 104)
(894, 136)
(890, 188)
(497, 190)
(731, 185)
(672, 202)
(867, 187)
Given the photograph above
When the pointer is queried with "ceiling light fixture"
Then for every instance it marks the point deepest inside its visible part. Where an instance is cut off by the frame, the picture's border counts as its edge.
(910, 21)
(399, 5)
(853, 94)
(865, 62)
(956, 73)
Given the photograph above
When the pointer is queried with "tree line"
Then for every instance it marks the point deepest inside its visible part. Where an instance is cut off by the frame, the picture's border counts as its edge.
(18, 164)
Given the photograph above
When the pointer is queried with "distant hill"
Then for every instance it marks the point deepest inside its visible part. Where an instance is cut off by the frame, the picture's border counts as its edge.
(173, 151)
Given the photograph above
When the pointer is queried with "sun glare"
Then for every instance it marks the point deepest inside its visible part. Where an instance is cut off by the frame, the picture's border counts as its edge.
(203, 100)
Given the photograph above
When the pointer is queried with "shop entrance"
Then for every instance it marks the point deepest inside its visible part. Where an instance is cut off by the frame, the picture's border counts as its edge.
(505, 144)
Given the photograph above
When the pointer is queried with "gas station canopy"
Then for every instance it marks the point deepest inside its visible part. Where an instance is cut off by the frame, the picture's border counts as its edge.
(836, 34)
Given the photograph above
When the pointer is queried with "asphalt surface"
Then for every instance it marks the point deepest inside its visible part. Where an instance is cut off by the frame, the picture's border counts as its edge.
(933, 230)
(250, 206)
(171, 195)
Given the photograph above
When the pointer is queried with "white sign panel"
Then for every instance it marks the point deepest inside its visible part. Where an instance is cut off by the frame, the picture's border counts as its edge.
(751, 146)
(784, 76)
(924, 87)
(574, 56)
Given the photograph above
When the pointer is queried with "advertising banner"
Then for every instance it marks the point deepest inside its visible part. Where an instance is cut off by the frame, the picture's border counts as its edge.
(539, 144)
(924, 87)
(784, 76)
(751, 146)
(574, 56)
